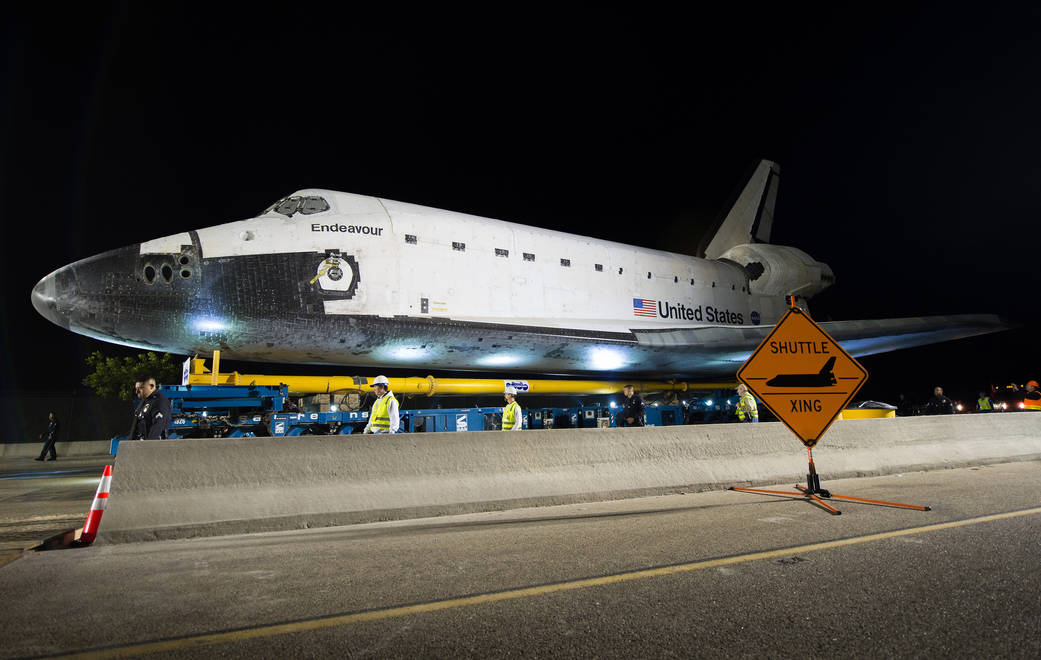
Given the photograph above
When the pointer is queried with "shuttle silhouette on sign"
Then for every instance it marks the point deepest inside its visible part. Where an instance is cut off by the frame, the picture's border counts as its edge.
(823, 378)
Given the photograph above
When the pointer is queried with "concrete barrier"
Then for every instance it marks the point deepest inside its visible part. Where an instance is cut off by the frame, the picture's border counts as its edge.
(67, 449)
(183, 488)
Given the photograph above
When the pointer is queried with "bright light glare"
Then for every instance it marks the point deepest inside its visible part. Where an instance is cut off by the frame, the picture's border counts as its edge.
(960, 407)
(499, 360)
(332, 408)
(406, 353)
(607, 359)
(709, 402)
(209, 324)
(614, 405)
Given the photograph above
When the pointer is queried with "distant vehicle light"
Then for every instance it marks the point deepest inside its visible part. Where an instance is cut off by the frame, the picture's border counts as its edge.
(1020, 404)
(960, 407)
(1004, 406)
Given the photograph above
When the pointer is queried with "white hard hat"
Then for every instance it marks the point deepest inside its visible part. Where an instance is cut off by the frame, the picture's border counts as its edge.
(510, 389)
(381, 380)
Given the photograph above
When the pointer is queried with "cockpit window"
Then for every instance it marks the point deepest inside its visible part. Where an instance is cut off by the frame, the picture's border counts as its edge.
(308, 205)
(288, 206)
(313, 205)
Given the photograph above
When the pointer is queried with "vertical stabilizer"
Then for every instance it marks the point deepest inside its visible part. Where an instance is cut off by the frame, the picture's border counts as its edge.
(750, 217)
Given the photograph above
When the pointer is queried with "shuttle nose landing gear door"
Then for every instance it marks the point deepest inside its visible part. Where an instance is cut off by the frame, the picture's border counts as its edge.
(336, 276)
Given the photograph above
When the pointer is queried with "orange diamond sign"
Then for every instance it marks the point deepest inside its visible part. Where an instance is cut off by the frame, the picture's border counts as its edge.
(802, 375)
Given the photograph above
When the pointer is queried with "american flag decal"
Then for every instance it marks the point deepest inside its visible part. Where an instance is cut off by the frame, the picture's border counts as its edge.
(648, 308)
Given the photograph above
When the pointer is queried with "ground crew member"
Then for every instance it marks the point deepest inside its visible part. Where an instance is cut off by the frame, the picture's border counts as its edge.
(511, 414)
(49, 437)
(152, 415)
(1031, 398)
(747, 411)
(384, 416)
(634, 413)
(983, 404)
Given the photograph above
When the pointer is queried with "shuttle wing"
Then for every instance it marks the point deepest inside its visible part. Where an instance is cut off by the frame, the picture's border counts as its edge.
(859, 338)
(878, 336)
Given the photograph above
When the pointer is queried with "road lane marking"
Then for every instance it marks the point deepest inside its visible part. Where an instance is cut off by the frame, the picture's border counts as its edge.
(43, 474)
(243, 634)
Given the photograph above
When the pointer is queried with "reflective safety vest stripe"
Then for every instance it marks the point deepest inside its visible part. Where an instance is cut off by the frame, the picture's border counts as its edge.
(380, 418)
(1032, 402)
(511, 416)
(984, 404)
(747, 406)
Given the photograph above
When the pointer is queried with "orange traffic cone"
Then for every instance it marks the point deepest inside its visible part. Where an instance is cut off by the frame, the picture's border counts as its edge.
(90, 528)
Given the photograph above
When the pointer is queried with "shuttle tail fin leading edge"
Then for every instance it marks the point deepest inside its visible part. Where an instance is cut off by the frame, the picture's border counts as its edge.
(828, 366)
(750, 217)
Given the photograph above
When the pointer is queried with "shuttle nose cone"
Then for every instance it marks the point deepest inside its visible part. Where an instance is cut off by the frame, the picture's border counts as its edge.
(44, 298)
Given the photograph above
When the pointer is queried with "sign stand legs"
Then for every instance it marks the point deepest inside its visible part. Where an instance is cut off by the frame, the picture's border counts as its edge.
(813, 493)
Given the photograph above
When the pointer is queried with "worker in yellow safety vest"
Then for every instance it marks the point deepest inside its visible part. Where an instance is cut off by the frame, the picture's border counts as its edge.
(747, 411)
(511, 414)
(384, 416)
(1031, 398)
(983, 403)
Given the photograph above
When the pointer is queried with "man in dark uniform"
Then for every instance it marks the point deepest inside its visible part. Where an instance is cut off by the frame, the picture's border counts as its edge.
(633, 411)
(50, 436)
(903, 406)
(939, 404)
(152, 416)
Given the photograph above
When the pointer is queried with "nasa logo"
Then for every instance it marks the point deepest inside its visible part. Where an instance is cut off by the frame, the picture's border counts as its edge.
(755, 318)
(519, 385)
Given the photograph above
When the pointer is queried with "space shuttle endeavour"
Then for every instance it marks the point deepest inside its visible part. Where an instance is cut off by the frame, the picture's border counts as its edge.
(324, 277)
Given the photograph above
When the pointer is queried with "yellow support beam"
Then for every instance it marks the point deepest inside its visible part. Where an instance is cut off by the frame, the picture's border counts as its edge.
(216, 368)
(435, 386)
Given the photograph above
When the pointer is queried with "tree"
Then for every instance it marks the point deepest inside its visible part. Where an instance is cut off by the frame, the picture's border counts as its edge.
(114, 377)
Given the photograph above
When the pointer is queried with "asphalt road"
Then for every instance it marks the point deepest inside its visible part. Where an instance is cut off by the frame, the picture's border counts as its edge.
(39, 499)
(720, 574)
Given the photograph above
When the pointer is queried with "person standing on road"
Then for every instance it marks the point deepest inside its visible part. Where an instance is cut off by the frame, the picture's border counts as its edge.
(983, 403)
(49, 437)
(1031, 398)
(634, 413)
(384, 417)
(152, 415)
(939, 404)
(903, 406)
(511, 413)
(747, 410)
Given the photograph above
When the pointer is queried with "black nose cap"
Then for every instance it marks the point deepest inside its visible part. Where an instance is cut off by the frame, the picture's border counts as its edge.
(45, 300)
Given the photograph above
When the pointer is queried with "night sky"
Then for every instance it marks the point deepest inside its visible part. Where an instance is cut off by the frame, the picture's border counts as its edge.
(908, 137)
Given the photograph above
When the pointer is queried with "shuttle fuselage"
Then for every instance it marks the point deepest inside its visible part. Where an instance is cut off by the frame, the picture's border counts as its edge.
(327, 277)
